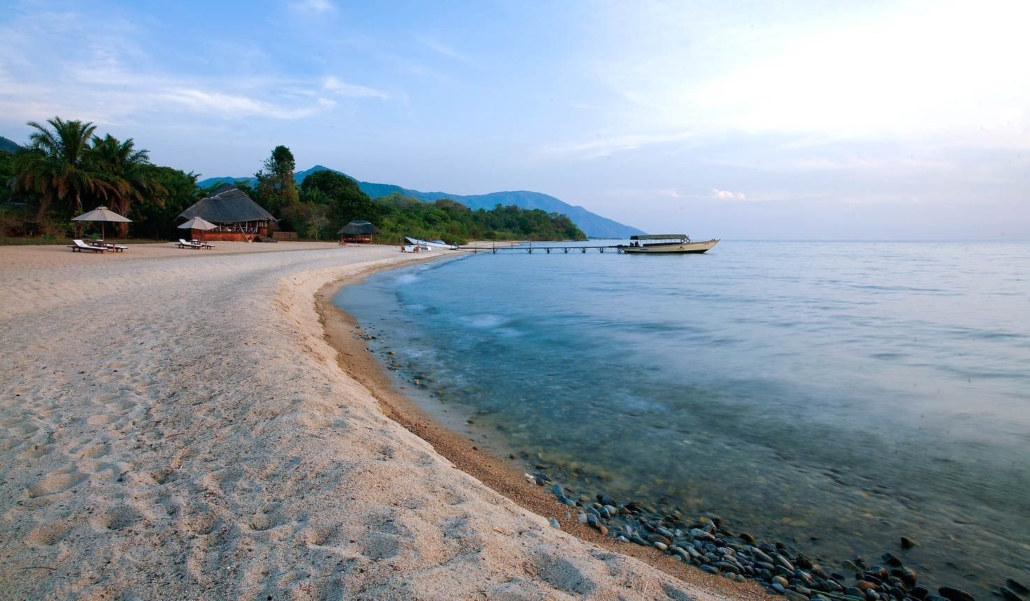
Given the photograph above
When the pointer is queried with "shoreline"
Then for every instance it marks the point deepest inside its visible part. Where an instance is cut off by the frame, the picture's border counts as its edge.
(343, 333)
(175, 429)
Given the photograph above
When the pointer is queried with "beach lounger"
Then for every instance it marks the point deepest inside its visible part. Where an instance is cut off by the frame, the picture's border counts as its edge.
(79, 246)
(186, 244)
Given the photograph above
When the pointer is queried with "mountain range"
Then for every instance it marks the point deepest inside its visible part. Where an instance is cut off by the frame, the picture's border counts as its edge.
(9, 146)
(593, 225)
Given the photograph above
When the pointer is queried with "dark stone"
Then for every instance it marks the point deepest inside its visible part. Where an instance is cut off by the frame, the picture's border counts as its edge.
(1017, 587)
(726, 566)
(907, 543)
(1009, 594)
(891, 560)
(744, 536)
(710, 569)
(776, 586)
(954, 594)
(906, 576)
(920, 592)
(762, 556)
(794, 596)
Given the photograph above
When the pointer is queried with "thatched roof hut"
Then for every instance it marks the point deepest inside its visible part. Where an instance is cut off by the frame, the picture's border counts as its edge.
(358, 230)
(227, 204)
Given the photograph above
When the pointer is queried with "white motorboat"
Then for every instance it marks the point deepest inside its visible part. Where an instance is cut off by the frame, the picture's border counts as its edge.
(679, 244)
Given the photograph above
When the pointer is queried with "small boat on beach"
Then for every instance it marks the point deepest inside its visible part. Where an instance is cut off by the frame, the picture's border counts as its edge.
(678, 244)
(428, 244)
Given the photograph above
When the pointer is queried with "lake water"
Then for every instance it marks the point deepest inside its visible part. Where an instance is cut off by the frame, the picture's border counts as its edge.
(831, 395)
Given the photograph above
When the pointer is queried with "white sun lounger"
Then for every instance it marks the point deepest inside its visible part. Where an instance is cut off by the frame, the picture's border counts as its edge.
(79, 246)
(197, 245)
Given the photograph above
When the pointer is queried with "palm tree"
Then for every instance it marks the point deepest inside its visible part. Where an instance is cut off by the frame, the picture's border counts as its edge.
(127, 171)
(55, 165)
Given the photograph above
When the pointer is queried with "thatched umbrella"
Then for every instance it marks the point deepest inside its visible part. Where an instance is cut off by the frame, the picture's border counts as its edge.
(198, 223)
(358, 227)
(103, 215)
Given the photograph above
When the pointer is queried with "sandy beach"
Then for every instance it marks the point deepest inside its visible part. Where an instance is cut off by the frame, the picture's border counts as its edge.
(176, 426)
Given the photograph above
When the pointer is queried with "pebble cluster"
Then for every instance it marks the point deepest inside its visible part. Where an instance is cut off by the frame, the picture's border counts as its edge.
(706, 544)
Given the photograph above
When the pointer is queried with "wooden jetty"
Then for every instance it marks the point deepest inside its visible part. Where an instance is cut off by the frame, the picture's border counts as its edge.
(529, 248)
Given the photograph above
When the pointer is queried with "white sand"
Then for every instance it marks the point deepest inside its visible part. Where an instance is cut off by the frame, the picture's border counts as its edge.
(173, 425)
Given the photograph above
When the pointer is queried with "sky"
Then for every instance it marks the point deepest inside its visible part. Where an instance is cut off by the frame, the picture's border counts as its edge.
(747, 120)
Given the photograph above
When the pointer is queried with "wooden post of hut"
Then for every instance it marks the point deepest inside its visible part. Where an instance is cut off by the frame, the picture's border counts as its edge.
(359, 232)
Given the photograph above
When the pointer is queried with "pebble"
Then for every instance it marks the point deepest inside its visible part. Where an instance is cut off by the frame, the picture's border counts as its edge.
(760, 555)
(783, 561)
(714, 550)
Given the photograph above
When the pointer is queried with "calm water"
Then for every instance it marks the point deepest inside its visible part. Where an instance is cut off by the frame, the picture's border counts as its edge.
(849, 393)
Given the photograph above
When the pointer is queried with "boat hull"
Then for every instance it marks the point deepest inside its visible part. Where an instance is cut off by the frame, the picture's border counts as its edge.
(674, 248)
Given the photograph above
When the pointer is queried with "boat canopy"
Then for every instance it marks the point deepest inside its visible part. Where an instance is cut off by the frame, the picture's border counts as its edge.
(659, 237)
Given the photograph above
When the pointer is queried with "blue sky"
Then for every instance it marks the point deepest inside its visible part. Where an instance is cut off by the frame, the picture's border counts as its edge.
(814, 119)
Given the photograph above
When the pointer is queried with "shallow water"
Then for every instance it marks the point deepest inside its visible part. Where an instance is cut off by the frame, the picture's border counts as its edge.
(836, 394)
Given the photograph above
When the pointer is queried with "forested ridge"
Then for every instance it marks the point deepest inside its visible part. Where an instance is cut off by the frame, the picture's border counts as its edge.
(67, 168)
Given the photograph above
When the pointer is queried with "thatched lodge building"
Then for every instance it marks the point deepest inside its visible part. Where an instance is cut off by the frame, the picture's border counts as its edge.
(359, 231)
(238, 217)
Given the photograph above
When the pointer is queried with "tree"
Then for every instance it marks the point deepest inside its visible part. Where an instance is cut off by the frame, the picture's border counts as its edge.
(344, 197)
(156, 220)
(125, 170)
(56, 166)
(276, 181)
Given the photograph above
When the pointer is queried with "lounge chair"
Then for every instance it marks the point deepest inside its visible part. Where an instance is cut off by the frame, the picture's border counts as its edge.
(79, 246)
(116, 247)
(187, 244)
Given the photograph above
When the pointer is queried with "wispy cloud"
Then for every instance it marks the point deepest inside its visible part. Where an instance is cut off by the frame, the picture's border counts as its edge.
(441, 48)
(228, 105)
(727, 195)
(342, 88)
(314, 6)
(608, 145)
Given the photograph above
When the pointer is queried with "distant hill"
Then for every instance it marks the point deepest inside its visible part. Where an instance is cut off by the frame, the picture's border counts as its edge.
(9, 146)
(593, 225)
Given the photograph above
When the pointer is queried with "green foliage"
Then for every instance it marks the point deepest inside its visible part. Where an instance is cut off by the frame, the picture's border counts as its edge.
(127, 171)
(55, 169)
(66, 169)
(276, 185)
(342, 199)
(455, 223)
(156, 220)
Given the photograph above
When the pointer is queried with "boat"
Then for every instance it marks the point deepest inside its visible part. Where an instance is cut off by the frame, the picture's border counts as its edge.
(428, 244)
(653, 244)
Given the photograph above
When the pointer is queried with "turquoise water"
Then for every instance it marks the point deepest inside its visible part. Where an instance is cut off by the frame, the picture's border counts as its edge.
(832, 395)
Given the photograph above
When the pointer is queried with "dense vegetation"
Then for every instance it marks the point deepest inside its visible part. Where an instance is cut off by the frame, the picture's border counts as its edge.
(67, 169)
